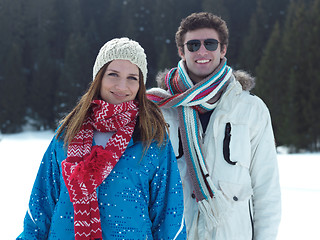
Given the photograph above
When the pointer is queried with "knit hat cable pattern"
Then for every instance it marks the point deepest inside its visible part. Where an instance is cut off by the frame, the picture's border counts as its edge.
(125, 49)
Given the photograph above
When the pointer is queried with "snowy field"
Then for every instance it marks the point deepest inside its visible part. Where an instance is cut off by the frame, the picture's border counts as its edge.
(20, 156)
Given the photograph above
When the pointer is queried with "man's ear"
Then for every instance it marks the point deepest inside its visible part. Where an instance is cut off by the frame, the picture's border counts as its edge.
(223, 51)
(181, 53)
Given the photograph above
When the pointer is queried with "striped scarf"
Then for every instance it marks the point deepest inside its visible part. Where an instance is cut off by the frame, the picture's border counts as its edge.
(191, 100)
(87, 166)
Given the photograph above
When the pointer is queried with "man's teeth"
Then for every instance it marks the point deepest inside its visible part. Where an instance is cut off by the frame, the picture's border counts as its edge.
(202, 61)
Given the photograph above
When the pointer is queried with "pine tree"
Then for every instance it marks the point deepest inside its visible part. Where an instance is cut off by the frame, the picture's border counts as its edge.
(312, 73)
(107, 19)
(298, 50)
(13, 92)
(13, 79)
(217, 7)
(42, 87)
(76, 74)
(269, 86)
(41, 62)
(255, 41)
(267, 13)
(166, 20)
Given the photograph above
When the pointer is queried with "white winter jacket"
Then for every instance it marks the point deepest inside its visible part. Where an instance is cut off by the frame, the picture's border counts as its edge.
(252, 184)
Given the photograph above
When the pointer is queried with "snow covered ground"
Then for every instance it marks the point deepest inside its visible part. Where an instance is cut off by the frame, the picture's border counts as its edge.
(20, 156)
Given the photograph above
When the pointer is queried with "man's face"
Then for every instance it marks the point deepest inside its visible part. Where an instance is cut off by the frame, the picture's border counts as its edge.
(202, 62)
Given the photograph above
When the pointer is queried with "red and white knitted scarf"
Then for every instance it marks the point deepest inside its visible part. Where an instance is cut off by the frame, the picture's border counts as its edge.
(87, 166)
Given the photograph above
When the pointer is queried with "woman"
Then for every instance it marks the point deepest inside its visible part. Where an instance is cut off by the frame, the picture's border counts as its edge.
(110, 171)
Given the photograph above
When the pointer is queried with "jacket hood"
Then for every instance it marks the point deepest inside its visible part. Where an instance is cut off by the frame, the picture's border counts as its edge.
(246, 80)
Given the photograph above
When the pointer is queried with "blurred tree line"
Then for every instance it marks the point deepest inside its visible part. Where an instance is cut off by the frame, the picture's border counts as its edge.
(48, 48)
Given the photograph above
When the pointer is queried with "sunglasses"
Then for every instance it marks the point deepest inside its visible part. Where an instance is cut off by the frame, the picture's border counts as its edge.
(210, 44)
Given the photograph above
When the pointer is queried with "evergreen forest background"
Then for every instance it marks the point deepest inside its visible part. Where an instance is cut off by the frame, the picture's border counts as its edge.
(48, 48)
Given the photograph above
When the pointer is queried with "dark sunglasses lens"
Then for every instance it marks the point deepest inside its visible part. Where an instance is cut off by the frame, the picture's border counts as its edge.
(211, 44)
(193, 45)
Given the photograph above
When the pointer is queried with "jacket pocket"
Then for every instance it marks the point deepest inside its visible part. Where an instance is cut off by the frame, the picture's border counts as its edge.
(236, 144)
(236, 192)
(238, 224)
(226, 144)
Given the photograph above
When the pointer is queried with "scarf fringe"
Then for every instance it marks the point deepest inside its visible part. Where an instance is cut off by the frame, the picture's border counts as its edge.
(214, 209)
(211, 214)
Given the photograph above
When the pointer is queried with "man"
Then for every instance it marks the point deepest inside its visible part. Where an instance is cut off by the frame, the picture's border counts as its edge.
(222, 136)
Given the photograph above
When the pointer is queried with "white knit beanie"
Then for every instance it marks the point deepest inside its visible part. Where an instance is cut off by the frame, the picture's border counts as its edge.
(125, 49)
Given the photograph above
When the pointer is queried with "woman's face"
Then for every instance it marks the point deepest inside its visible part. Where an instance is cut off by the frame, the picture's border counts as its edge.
(120, 82)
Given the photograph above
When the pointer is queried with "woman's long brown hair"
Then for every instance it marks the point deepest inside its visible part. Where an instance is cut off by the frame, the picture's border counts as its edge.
(152, 125)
